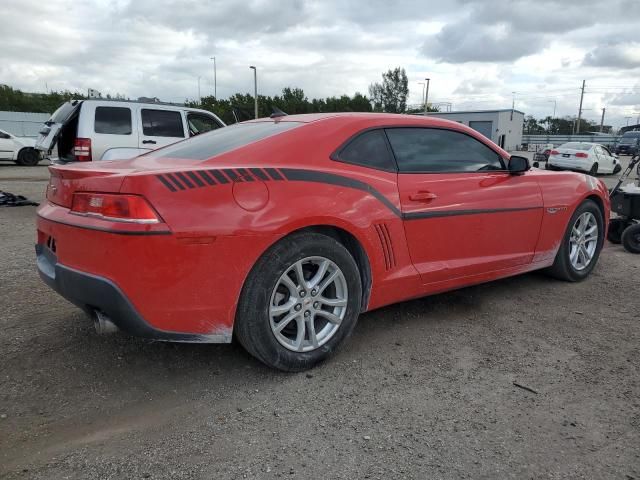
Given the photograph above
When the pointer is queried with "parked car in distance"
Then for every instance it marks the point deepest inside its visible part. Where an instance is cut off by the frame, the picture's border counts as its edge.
(584, 156)
(18, 149)
(542, 156)
(628, 143)
(280, 232)
(86, 130)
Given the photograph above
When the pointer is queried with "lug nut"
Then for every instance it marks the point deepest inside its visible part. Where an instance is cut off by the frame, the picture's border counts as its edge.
(316, 304)
(298, 307)
(307, 313)
(314, 292)
(302, 293)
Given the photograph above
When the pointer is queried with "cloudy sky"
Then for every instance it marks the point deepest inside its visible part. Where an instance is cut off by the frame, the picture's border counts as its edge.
(476, 52)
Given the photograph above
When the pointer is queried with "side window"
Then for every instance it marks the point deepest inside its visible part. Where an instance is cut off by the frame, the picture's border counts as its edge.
(113, 120)
(432, 150)
(368, 149)
(606, 151)
(162, 123)
(199, 123)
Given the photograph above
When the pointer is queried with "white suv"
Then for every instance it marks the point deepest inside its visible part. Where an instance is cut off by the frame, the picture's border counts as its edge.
(86, 130)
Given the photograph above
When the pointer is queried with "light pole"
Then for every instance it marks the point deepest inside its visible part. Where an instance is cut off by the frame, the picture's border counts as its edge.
(555, 104)
(627, 119)
(199, 96)
(255, 89)
(637, 118)
(426, 96)
(215, 79)
(513, 103)
(423, 84)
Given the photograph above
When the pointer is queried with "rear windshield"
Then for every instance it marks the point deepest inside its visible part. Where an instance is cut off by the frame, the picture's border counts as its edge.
(222, 140)
(577, 146)
(630, 136)
(63, 112)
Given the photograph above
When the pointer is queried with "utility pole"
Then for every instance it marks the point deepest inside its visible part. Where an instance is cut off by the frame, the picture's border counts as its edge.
(422, 98)
(513, 104)
(627, 119)
(426, 96)
(215, 80)
(602, 120)
(555, 104)
(580, 109)
(255, 89)
(199, 96)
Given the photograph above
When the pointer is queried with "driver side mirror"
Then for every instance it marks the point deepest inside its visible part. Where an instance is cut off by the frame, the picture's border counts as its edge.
(518, 165)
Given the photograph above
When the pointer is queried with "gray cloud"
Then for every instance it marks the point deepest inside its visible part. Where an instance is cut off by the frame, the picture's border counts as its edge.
(618, 55)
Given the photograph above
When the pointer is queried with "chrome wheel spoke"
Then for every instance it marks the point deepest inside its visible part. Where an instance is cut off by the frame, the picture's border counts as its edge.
(286, 321)
(333, 302)
(276, 310)
(583, 241)
(302, 330)
(312, 333)
(302, 283)
(322, 270)
(328, 281)
(329, 316)
(287, 282)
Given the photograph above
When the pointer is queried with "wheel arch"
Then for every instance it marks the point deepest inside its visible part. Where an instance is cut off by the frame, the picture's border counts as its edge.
(355, 247)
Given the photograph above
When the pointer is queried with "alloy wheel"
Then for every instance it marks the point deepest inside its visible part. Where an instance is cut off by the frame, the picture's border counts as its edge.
(583, 242)
(308, 304)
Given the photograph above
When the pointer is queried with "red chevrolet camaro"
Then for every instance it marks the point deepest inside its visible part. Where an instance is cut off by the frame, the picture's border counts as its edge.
(282, 231)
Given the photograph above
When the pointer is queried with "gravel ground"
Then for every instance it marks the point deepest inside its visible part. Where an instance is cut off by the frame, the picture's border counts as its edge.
(423, 389)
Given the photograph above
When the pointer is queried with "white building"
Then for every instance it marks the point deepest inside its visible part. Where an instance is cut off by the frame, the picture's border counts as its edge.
(503, 127)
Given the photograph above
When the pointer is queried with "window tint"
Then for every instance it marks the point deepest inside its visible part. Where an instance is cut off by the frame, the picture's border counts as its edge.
(605, 150)
(113, 120)
(369, 150)
(437, 150)
(162, 123)
(199, 123)
(207, 145)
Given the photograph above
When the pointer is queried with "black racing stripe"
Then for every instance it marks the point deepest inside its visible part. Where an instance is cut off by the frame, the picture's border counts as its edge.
(231, 174)
(175, 181)
(196, 179)
(245, 174)
(186, 181)
(166, 183)
(455, 213)
(259, 174)
(273, 173)
(206, 177)
(294, 174)
(219, 176)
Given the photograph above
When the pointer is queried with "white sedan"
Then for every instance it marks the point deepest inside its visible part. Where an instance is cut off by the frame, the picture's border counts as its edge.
(18, 149)
(587, 157)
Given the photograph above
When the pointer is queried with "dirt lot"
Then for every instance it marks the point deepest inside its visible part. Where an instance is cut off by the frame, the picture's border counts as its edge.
(424, 389)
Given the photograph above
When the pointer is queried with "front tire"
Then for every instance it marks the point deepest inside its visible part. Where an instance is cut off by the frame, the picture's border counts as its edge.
(28, 157)
(581, 244)
(301, 300)
(631, 238)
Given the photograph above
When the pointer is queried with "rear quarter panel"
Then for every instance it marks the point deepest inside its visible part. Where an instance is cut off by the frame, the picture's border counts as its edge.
(562, 193)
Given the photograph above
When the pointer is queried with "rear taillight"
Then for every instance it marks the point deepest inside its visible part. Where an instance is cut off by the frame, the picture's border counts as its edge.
(581, 155)
(82, 149)
(554, 152)
(115, 207)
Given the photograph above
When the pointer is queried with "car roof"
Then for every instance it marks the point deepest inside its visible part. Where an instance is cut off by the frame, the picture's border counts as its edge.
(372, 117)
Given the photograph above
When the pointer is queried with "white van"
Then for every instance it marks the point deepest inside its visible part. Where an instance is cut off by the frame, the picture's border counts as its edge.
(90, 130)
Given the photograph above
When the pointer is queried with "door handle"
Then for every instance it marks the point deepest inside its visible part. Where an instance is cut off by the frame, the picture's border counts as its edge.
(422, 197)
(149, 141)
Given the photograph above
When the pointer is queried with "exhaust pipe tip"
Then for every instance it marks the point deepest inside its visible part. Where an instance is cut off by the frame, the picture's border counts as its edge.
(103, 324)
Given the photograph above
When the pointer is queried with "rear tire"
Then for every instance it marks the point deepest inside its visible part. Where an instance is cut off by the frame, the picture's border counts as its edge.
(594, 169)
(616, 227)
(28, 157)
(274, 283)
(617, 169)
(563, 268)
(631, 238)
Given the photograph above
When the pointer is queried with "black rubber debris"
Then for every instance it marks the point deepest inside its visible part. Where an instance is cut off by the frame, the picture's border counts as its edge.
(10, 200)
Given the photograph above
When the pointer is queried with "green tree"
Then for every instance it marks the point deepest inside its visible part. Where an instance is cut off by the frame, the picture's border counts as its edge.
(390, 95)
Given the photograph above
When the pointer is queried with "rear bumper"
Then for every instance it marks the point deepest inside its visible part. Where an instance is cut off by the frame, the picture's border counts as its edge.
(568, 164)
(92, 292)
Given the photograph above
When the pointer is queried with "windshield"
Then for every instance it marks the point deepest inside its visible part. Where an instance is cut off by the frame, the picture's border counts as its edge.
(222, 140)
(63, 112)
(630, 137)
(577, 146)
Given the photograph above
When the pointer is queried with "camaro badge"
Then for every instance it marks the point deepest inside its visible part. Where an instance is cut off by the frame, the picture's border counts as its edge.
(555, 209)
